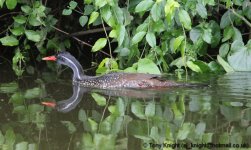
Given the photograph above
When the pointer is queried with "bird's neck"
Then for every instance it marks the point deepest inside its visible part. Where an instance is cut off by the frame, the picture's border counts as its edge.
(78, 72)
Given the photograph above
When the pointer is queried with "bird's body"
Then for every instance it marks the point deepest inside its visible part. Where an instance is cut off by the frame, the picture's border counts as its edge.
(125, 80)
(112, 80)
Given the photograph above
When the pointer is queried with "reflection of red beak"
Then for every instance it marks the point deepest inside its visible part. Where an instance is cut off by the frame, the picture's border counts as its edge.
(51, 58)
(49, 104)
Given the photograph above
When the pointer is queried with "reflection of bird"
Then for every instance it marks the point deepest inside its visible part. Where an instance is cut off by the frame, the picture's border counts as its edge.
(112, 80)
(68, 104)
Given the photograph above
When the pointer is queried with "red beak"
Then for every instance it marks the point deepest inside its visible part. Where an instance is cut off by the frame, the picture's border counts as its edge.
(49, 104)
(51, 58)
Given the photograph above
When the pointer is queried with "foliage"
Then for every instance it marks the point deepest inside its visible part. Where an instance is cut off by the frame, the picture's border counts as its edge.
(173, 34)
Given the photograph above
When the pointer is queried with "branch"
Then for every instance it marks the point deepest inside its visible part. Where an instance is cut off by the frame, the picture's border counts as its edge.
(10, 13)
(237, 15)
(68, 34)
(77, 39)
(90, 31)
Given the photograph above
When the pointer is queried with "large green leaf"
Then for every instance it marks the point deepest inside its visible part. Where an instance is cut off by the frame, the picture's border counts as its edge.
(33, 93)
(151, 39)
(99, 44)
(226, 19)
(1, 3)
(73, 4)
(101, 101)
(83, 20)
(138, 37)
(144, 5)
(70, 126)
(11, 4)
(137, 109)
(240, 56)
(32, 35)
(22, 146)
(147, 66)
(201, 10)
(17, 31)
(185, 19)
(121, 34)
(9, 41)
(156, 12)
(93, 17)
(20, 19)
(224, 64)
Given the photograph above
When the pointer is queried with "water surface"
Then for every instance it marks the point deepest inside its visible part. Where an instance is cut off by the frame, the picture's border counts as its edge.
(216, 116)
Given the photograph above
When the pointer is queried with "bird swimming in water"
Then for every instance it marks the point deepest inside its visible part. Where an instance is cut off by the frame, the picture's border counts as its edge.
(113, 80)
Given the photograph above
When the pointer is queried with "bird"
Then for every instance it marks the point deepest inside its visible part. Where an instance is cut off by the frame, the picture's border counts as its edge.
(113, 80)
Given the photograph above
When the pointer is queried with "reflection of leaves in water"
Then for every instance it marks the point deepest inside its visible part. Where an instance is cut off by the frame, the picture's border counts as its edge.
(8, 87)
(70, 126)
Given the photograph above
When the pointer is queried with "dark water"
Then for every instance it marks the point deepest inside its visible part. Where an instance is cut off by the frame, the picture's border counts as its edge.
(175, 118)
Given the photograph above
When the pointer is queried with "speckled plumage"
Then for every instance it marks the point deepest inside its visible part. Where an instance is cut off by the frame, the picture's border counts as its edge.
(125, 80)
(113, 80)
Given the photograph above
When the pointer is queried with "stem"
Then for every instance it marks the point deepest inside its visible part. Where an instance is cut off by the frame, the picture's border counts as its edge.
(183, 57)
(109, 43)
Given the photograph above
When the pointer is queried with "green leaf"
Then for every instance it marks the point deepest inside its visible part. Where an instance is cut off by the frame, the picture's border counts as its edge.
(146, 65)
(73, 4)
(93, 124)
(236, 104)
(9, 41)
(207, 35)
(239, 57)
(20, 19)
(137, 109)
(226, 19)
(8, 87)
(32, 35)
(1, 3)
(224, 48)
(224, 64)
(228, 33)
(99, 44)
(33, 93)
(35, 21)
(10, 138)
(121, 34)
(195, 34)
(100, 3)
(93, 17)
(156, 12)
(200, 128)
(194, 67)
(101, 101)
(185, 130)
(83, 20)
(177, 42)
(26, 9)
(17, 31)
(22, 146)
(113, 34)
(17, 98)
(170, 8)
(198, 66)
(82, 115)
(150, 109)
(151, 39)
(138, 37)
(67, 12)
(70, 126)
(185, 19)
(11, 4)
(201, 10)
(144, 5)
